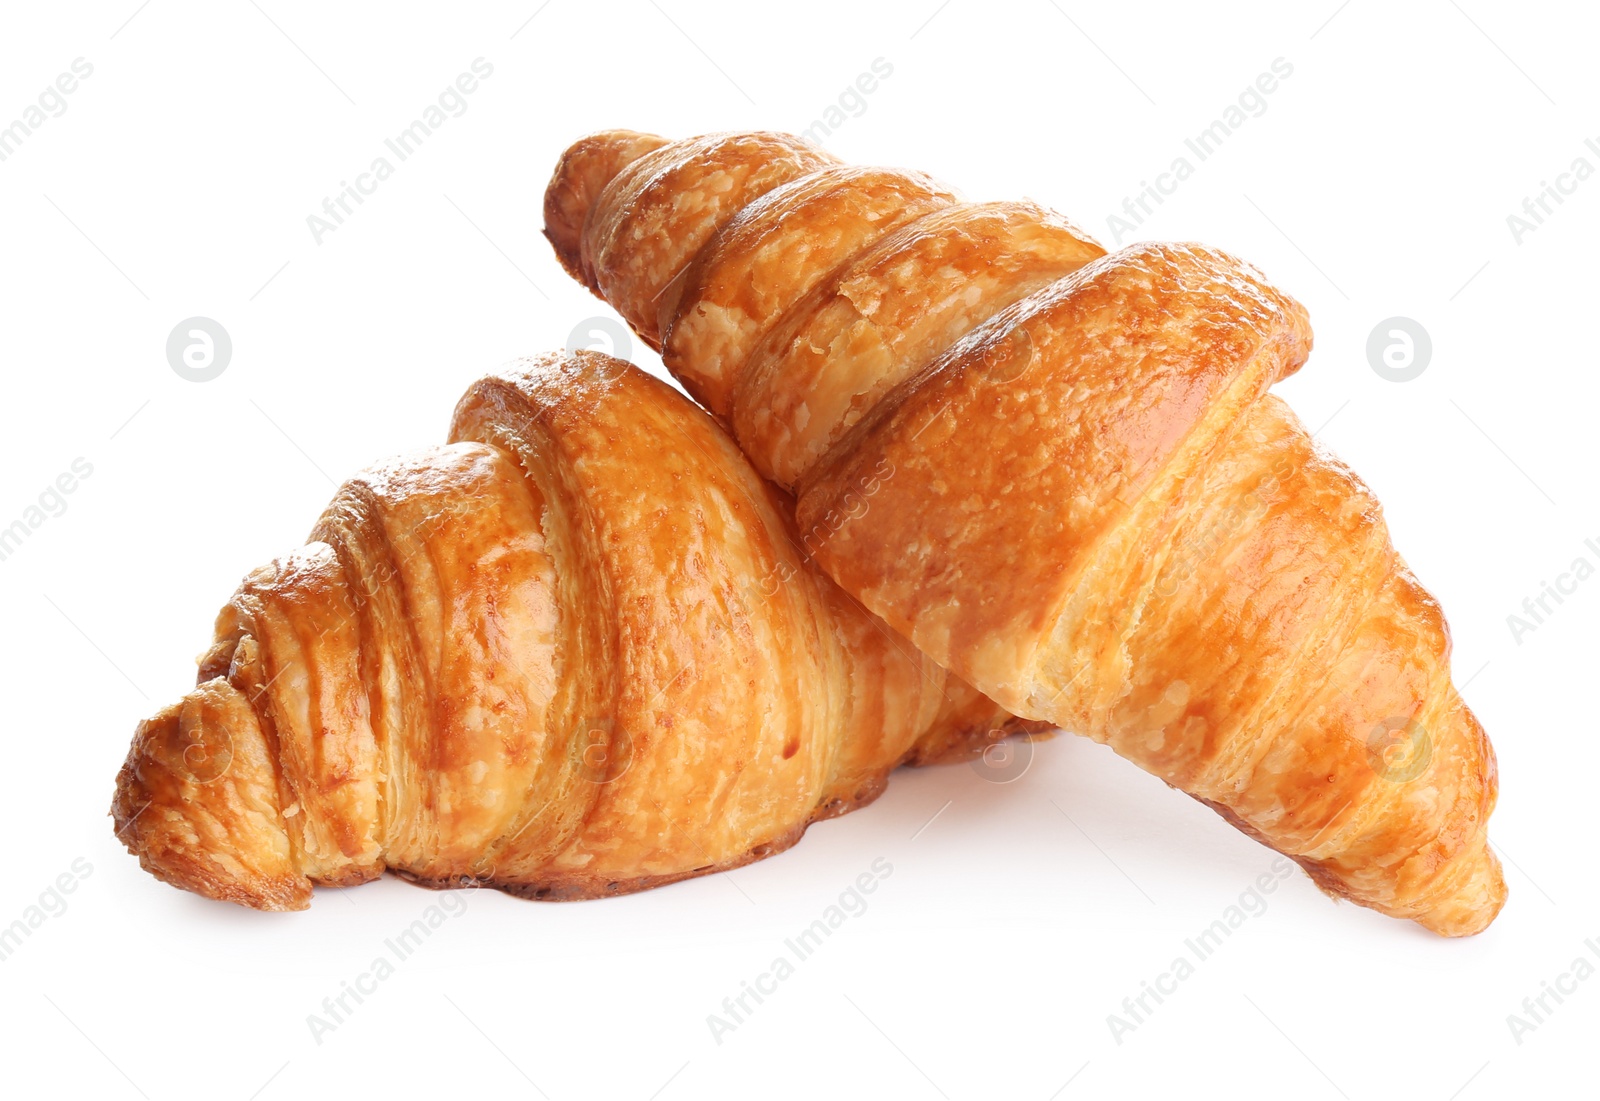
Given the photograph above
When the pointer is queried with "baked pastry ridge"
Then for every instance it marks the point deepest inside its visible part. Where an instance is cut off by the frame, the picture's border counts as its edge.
(1098, 514)
(575, 652)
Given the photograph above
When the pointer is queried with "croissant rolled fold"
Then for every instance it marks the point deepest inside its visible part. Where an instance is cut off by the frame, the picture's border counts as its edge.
(575, 652)
(1098, 514)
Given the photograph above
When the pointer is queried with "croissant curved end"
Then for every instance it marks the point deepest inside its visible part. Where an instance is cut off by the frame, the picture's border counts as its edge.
(1472, 898)
(197, 803)
(585, 169)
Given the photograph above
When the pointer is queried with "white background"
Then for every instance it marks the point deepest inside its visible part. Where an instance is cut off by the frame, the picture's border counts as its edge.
(178, 182)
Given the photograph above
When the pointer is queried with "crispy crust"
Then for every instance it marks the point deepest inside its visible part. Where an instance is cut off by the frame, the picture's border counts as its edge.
(1061, 475)
(577, 652)
(961, 746)
(584, 171)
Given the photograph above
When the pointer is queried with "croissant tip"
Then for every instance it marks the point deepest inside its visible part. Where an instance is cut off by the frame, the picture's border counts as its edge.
(1472, 905)
(196, 803)
(210, 879)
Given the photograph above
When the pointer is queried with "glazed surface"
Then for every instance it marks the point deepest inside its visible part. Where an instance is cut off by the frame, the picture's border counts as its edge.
(1061, 474)
(574, 652)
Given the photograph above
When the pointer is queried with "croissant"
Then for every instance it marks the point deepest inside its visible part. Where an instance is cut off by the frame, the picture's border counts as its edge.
(574, 653)
(1097, 515)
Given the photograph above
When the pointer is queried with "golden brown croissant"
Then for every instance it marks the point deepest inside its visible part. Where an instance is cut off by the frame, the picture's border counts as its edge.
(574, 653)
(1098, 515)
